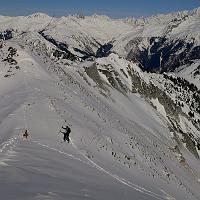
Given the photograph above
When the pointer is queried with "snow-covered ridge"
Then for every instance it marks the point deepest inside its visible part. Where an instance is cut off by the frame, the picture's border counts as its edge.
(134, 134)
(111, 27)
(117, 136)
(88, 33)
(165, 18)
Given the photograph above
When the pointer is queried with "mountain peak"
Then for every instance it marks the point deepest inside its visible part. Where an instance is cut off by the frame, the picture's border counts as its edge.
(197, 11)
(38, 15)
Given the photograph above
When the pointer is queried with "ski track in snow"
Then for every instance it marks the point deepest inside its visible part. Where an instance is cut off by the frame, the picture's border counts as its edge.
(122, 180)
(94, 165)
(12, 141)
(59, 151)
(123, 40)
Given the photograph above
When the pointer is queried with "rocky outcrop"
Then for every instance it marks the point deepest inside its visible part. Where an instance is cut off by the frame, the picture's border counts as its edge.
(6, 35)
(62, 51)
(161, 54)
(104, 50)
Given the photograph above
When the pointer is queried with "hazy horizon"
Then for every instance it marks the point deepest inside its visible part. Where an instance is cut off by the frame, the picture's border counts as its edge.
(113, 9)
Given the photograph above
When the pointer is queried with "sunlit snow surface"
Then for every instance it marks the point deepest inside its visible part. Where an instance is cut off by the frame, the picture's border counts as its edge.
(121, 147)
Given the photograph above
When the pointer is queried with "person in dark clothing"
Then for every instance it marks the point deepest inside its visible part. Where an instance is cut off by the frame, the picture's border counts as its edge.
(66, 131)
(25, 135)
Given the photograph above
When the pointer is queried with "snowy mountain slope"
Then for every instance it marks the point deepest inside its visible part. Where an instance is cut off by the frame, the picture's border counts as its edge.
(19, 24)
(135, 135)
(78, 33)
(163, 42)
(83, 36)
(82, 32)
(173, 97)
(190, 73)
(183, 24)
(114, 132)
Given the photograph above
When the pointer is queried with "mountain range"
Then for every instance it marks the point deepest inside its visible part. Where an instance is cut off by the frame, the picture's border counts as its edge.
(128, 88)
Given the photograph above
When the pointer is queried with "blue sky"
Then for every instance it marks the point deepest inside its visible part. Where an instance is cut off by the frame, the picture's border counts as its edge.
(113, 8)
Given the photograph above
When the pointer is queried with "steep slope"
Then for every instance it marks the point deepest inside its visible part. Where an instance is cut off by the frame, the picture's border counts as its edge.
(135, 135)
(179, 24)
(164, 42)
(86, 33)
(190, 73)
(81, 35)
(19, 24)
(116, 133)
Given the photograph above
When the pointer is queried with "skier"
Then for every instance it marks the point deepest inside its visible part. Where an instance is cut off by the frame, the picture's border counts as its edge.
(25, 135)
(66, 133)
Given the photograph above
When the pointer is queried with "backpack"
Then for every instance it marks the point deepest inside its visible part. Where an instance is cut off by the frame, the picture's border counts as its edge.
(68, 130)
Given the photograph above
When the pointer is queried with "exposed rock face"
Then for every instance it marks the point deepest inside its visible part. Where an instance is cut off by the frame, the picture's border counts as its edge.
(120, 112)
(151, 91)
(152, 50)
(62, 50)
(104, 50)
(6, 35)
(161, 54)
